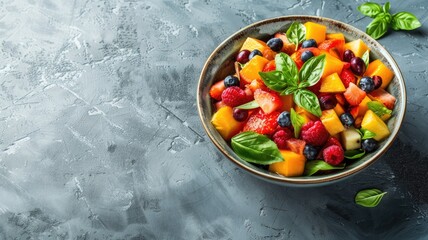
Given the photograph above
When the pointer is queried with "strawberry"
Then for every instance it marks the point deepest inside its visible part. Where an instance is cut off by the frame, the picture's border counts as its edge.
(270, 66)
(261, 122)
(340, 99)
(257, 84)
(354, 95)
(347, 77)
(384, 97)
(217, 89)
(296, 145)
(268, 101)
(330, 44)
(354, 111)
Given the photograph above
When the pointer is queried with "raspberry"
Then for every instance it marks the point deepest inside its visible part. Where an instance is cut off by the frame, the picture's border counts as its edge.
(281, 136)
(333, 155)
(314, 133)
(332, 141)
(233, 96)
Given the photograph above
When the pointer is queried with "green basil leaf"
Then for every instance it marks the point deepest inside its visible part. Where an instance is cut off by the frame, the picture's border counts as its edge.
(274, 80)
(256, 148)
(378, 108)
(307, 100)
(366, 58)
(288, 67)
(249, 105)
(312, 70)
(405, 21)
(312, 167)
(378, 27)
(367, 134)
(354, 154)
(297, 121)
(369, 197)
(303, 85)
(370, 9)
(296, 33)
(386, 7)
(288, 91)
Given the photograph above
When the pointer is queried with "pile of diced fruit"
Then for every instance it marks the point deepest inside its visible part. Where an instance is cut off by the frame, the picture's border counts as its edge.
(305, 102)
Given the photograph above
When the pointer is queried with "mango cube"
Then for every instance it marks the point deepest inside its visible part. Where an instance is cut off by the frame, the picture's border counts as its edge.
(362, 107)
(225, 124)
(251, 44)
(331, 122)
(332, 84)
(375, 124)
(252, 68)
(292, 166)
(378, 68)
(332, 65)
(339, 109)
(315, 31)
(358, 47)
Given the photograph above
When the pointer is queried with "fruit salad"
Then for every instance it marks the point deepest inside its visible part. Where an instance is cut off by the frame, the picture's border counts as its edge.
(304, 102)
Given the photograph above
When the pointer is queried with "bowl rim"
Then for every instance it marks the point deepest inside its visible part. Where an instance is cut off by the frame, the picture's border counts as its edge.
(322, 179)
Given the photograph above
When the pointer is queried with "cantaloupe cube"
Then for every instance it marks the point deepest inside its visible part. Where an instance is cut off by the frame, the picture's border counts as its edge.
(332, 84)
(315, 31)
(331, 122)
(252, 68)
(378, 68)
(362, 107)
(339, 36)
(251, 44)
(339, 109)
(287, 102)
(292, 166)
(225, 124)
(332, 65)
(375, 124)
(301, 111)
(358, 47)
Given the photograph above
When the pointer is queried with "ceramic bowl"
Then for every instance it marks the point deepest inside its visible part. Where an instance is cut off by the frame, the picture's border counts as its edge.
(220, 64)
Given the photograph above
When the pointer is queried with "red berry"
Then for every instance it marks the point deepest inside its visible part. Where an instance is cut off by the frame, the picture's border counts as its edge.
(377, 81)
(354, 95)
(332, 141)
(268, 101)
(333, 155)
(261, 122)
(281, 136)
(270, 66)
(296, 145)
(233, 96)
(314, 133)
(347, 77)
(217, 89)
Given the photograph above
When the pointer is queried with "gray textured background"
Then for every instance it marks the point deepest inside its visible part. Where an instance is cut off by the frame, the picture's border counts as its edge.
(100, 137)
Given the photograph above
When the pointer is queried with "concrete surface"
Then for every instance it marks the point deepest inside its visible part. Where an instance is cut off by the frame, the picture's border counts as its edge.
(100, 137)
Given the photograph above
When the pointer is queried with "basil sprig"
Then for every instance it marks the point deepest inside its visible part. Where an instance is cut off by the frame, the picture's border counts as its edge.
(366, 134)
(297, 121)
(366, 58)
(354, 154)
(249, 105)
(256, 148)
(384, 20)
(296, 33)
(312, 167)
(378, 108)
(369, 197)
(286, 80)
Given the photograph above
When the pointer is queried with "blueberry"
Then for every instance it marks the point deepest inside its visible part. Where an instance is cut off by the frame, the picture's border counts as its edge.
(327, 102)
(366, 84)
(243, 56)
(369, 145)
(310, 152)
(275, 44)
(348, 55)
(309, 43)
(377, 81)
(284, 119)
(347, 119)
(254, 53)
(240, 115)
(230, 81)
(306, 55)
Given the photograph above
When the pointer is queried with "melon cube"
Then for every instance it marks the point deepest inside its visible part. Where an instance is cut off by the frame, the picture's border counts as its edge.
(315, 31)
(225, 124)
(292, 166)
(251, 70)
(378, 68)
(332, 84)
(332, 65)
(331, 122)
(375, 124)
(251, 44)
(358, 47)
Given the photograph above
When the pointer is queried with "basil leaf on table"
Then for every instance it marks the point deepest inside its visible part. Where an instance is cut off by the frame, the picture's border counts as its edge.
(286, 65)
(369, 197)
(370, 9)
(296, 33)
(297, 121)
(312, 70)
(312, 167)
(366, 58)
(367, 134)
(249, 105)
(307, 100)
(274, 80)
(378, 108)
(386, 7)
(354, 154)
(256, 148)
(378, 27)
(405, 21)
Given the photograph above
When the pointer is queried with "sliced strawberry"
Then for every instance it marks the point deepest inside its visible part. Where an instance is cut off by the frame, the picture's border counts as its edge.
(257, 84)
(296, 145)
(346, 65)
(268, 101)
(347, 77)
(217, 89)
(262, 123)
(354, 111)
(354, 95)
(384, 97)
(340, 99)
(270, 66)
(330, 44)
